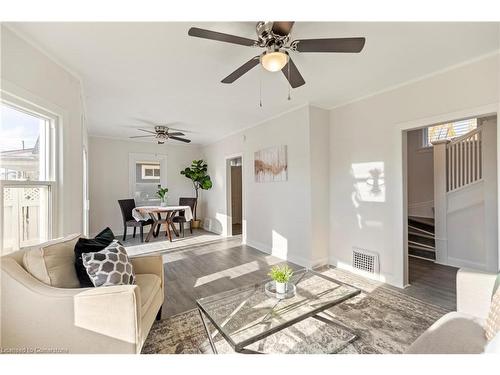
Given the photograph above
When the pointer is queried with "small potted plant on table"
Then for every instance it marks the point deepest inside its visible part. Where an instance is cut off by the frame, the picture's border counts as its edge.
(281, 276)
(162, 194)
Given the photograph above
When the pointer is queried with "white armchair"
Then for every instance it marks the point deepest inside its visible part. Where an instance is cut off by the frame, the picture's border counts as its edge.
(461, 331)
(36, 317)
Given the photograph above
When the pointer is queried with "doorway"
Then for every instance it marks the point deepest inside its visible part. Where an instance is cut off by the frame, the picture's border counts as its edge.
(450, 195)
(234, 196)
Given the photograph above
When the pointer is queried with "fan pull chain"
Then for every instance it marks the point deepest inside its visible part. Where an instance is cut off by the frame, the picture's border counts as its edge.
(289, 84)
(260, 88)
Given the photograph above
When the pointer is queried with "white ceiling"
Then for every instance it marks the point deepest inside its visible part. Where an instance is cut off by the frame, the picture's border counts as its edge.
(156, 72)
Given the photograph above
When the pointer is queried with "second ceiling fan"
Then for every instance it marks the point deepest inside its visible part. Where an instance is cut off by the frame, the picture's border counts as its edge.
(275, 38)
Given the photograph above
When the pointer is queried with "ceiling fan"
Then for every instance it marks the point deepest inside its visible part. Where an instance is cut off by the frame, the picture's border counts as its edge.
(275, 38)
(162, 133)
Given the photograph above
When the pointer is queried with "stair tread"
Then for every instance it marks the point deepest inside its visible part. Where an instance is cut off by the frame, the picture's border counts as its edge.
(431, 249)
(422, 253)
(421, 240)
(423, 220)
(419, 257)
(427, 230)
(420, 234)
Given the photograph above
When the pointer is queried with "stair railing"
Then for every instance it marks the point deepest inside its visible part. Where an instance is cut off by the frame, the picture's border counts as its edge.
(464, 160)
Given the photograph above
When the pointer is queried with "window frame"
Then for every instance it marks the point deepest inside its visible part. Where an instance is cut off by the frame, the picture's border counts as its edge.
(52, 174)
(425, 132)
(153, 168)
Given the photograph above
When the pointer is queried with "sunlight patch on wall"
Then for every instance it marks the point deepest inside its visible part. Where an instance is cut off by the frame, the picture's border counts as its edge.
(280, 246)
(360, 221)
(223, 220)
(369, 182)
(373, 224)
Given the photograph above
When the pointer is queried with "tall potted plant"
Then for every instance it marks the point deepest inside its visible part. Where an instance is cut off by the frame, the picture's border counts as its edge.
(197, 173)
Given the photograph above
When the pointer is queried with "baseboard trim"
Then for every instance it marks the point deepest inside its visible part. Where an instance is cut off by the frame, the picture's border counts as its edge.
(388, 279)
(460, 263)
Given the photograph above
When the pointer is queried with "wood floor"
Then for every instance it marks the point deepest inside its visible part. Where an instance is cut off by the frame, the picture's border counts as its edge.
(211, 268)
(236, 229)
(208, 268)
(433, 283)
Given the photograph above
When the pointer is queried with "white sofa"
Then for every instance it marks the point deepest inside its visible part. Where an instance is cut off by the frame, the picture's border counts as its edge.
(461, 331)
(36, 317)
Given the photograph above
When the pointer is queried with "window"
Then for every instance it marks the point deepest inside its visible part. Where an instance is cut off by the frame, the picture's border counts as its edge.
(151, 172)
(448, 131)
(146, 173)
(27, 175)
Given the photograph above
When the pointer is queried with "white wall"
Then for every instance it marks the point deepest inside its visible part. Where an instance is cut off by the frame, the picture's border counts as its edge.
(30, 74)
(109, 176)
(214, 204)
(278, 213)
(277, 216)
(420, 176)
(319, 133)
(370, 131)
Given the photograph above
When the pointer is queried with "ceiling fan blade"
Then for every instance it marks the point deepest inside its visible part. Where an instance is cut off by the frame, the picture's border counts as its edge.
(180, 139)
(181, 130)
(346, 45)
(295, 79)
(175, 133)
(142, 136)
(221, 37)
(147, 131)
(282, 28)
(252, 63)
(144, 121)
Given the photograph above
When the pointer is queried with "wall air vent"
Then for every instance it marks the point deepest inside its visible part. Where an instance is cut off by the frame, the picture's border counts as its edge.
(365, 260)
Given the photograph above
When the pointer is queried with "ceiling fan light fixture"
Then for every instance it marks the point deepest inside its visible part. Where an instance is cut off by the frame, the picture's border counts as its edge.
(274, 61)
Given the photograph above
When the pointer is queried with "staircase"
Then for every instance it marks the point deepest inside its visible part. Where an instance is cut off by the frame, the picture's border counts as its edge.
(421, 239)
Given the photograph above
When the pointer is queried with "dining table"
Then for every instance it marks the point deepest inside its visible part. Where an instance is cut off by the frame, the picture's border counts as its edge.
(155, 213)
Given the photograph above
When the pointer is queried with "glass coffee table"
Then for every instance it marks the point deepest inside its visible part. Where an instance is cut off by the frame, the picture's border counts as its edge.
(246, 315)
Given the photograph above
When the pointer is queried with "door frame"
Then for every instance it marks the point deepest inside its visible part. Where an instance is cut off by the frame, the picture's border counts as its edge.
(402, 212)
(228, 232)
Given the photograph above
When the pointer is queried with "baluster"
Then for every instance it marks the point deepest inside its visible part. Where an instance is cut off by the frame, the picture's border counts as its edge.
(480, 157)
(460, 164)
(473, 156)
(448, 169)
(452, 167)
(467, 162)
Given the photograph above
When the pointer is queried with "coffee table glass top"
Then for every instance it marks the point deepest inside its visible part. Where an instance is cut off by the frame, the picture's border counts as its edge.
(246, 315)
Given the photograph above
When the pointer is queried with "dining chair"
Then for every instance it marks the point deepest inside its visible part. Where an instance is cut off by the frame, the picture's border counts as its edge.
(180, 218)
(126, 206)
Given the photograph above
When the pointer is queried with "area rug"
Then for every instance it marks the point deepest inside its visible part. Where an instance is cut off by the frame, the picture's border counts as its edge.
(385, 321)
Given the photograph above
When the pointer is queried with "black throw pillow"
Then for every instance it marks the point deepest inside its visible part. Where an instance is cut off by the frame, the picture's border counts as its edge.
(90, 245)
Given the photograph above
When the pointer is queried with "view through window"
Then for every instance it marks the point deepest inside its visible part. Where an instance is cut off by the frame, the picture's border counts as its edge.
(449, 130)
(25, 176)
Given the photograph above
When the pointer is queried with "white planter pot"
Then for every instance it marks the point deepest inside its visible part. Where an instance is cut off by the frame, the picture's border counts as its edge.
(281, 288)
(163, 204)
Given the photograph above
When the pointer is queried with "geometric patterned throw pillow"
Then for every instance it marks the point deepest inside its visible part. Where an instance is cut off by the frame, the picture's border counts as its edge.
(109, 266)
(492, 326)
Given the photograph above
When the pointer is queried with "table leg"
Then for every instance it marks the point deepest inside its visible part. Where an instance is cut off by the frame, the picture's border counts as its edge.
(167, 228)
(212, 344)
(152, 229)
(158, 227)
(171, 223)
